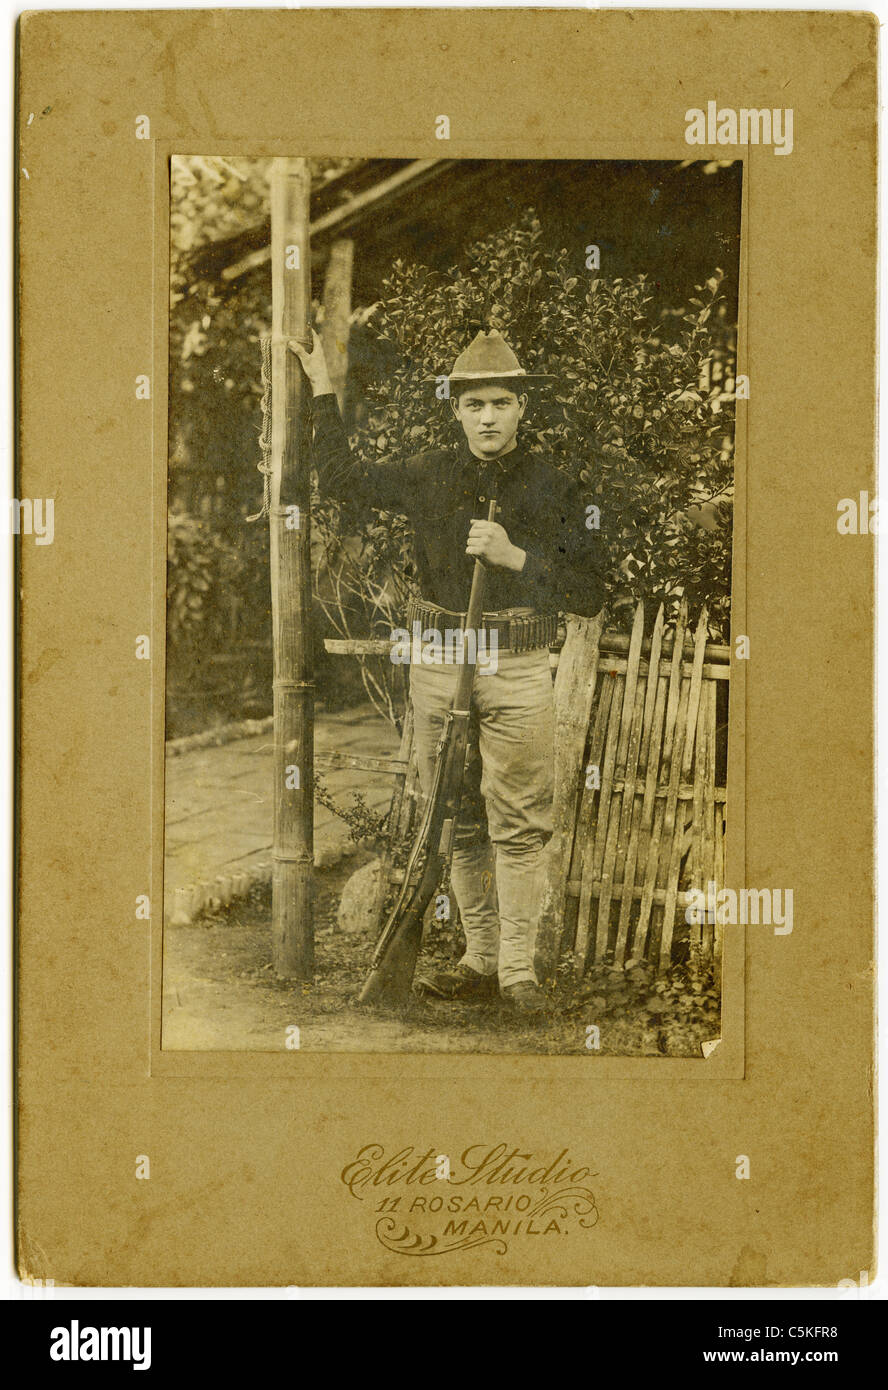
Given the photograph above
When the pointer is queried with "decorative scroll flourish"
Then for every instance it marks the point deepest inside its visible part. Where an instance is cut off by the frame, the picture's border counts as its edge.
(569, 1201)
(403, 1241)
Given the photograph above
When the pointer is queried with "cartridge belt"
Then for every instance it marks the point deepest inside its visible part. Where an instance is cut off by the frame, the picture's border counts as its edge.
(516, 631)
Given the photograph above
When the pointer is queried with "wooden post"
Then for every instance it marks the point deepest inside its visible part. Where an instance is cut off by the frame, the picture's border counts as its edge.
(337, 314)
(293, 855)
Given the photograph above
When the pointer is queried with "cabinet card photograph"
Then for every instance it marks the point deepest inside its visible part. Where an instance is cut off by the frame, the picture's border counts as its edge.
(445, 521)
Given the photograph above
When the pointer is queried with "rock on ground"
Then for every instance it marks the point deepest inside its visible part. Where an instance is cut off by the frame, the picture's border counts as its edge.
(358, 898)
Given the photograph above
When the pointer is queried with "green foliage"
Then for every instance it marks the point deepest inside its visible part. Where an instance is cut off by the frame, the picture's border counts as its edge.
(625, 416)
(674, 1013)
(218, 632)
(364, 825)
(199, 567)
(215, 328)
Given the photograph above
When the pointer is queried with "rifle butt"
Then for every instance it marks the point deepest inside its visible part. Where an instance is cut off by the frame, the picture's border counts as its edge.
(390, 980)
(394, 964)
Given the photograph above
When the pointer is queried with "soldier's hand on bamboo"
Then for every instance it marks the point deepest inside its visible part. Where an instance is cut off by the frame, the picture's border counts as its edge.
(489, 543)
(314, 364)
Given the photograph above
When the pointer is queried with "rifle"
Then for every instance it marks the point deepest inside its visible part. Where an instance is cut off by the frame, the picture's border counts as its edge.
(394, 960)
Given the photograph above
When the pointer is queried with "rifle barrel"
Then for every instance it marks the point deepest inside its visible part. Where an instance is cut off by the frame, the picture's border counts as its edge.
(474, 614)
(394, 960)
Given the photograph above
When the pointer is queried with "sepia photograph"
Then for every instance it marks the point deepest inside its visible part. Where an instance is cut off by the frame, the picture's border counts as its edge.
(448, 626)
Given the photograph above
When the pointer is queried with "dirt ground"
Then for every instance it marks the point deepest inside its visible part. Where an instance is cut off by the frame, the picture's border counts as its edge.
(221, 993)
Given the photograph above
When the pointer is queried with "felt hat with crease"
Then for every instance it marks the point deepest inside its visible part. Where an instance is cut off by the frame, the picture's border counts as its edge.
(489, 358)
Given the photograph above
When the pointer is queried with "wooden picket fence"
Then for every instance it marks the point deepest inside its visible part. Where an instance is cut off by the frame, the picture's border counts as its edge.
(639, 819)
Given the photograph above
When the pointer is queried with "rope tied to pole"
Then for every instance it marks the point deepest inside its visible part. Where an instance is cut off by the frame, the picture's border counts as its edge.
(265, 433)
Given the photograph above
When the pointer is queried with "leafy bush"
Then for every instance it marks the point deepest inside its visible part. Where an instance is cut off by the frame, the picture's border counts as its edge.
(673, 1013)
(220, 603)
(626, 416)
(216, 327)
(199, 569)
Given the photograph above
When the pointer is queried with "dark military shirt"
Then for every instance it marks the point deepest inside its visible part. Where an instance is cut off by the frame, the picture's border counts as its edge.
(441, 491)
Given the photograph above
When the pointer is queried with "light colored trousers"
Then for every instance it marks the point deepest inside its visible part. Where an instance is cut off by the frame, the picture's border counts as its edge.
(505, 820)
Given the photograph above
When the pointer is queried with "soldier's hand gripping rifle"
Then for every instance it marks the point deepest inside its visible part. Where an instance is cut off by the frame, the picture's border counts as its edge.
(394, 960)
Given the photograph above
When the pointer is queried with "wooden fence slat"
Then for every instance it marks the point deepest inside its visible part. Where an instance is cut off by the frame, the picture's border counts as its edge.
(720, 869)
(596, 758)
(697, 875)
(623, 806)
(685, 790)
(711, 672)
(607, 773)
(677, 676)
(593, 848)
(330, 761)
(648, 804)
(585, 818)
(687, 758)
(602, 888)
(662, 833)
(405, 756)
(618, 644)
(594, 866)
(675, 683)
(630, 722)
(632, 665)
(681, 766)
(573, 696)
(708, 855)
(683, 899)
(637, 808)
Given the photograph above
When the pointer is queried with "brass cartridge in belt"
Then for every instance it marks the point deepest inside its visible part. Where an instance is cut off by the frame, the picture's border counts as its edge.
(516, 632)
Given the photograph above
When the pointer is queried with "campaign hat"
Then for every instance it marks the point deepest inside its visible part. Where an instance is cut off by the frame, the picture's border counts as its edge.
(489, 358)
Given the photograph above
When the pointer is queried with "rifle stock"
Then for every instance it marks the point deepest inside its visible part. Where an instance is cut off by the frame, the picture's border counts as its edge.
(397, 950)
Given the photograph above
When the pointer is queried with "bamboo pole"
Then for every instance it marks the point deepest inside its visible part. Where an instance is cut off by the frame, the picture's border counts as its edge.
(293, 853)
(337, 315)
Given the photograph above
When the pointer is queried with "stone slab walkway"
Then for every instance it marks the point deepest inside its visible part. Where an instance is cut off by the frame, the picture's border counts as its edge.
(218, 803)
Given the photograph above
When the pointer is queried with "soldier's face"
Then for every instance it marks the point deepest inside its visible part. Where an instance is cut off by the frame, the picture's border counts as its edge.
(489, 416)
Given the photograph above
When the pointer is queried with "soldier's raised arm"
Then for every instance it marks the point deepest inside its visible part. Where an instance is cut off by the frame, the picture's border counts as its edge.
(383, 483)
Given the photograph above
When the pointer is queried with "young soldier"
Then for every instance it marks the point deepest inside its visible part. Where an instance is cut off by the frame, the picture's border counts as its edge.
(541, 559)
